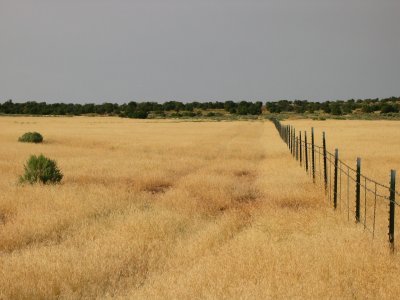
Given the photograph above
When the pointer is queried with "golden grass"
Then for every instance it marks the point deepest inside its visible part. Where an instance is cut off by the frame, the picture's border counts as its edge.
(176, 210)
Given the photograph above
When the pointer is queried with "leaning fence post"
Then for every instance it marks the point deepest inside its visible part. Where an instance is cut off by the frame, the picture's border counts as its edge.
(300, 148)
(358, 178)
(335, 182)
(325, 167)
(392, 202)
(313, 154)
(305, 149)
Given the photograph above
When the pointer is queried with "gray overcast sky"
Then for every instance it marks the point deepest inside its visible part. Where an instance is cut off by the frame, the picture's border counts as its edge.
(186, 50)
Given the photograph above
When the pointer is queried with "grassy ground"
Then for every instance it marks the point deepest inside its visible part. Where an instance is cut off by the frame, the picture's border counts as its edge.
(160, 209)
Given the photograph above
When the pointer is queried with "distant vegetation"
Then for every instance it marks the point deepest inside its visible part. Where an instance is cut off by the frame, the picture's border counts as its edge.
(176, 109)
(41, 169)
(339, 107)
(140, 110)
(31, 137)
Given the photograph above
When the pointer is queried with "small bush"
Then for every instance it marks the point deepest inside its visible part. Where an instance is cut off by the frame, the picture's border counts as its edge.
(188, 114)
(41, 169)
(31, 137)
(176, 115)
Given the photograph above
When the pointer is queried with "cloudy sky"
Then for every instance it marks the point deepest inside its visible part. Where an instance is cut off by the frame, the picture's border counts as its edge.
(186, 50)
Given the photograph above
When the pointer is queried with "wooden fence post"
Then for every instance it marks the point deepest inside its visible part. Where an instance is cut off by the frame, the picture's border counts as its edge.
(287, 134)
(305, 149)
(301, 155)
(284, 133)
(335, 184)
(358, 180)
(294, 142)
(325, 166)
(392, 205)
(313, 154)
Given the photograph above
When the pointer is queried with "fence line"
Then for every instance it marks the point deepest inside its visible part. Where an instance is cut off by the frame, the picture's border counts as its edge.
(342, 183)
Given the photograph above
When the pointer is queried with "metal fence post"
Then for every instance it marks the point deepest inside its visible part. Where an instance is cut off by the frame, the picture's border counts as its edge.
(335, 184)
(305, 150)
(358, 179)
(325, 167)
(313, 154)
(392, 206)
(297, 148)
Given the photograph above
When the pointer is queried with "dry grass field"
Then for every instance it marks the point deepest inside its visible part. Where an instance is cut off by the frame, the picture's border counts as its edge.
(183, 210)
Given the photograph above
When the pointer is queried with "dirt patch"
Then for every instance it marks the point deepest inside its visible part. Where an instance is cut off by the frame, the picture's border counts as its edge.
(293, 204)
(157, 189)
(3, 218)
(244, 173)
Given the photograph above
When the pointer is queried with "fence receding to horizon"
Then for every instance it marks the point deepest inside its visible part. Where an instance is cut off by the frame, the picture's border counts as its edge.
(360, 198)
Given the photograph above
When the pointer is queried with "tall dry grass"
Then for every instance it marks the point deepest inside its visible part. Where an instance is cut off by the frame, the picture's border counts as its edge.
(175, 210)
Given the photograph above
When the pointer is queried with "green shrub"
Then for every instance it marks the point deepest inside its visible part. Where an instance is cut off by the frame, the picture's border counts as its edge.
(31, 137)
(189, 114)
(41, 169)
(176, 115)
(140, 114)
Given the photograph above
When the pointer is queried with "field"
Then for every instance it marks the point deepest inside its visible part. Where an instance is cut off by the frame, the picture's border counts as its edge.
(182, 210)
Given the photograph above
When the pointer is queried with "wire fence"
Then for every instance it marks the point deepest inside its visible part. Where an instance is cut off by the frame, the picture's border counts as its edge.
(356, 196)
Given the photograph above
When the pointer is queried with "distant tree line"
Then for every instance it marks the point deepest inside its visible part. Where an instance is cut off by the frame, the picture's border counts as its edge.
(175, 108)
(131, 109)
(339, 107)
